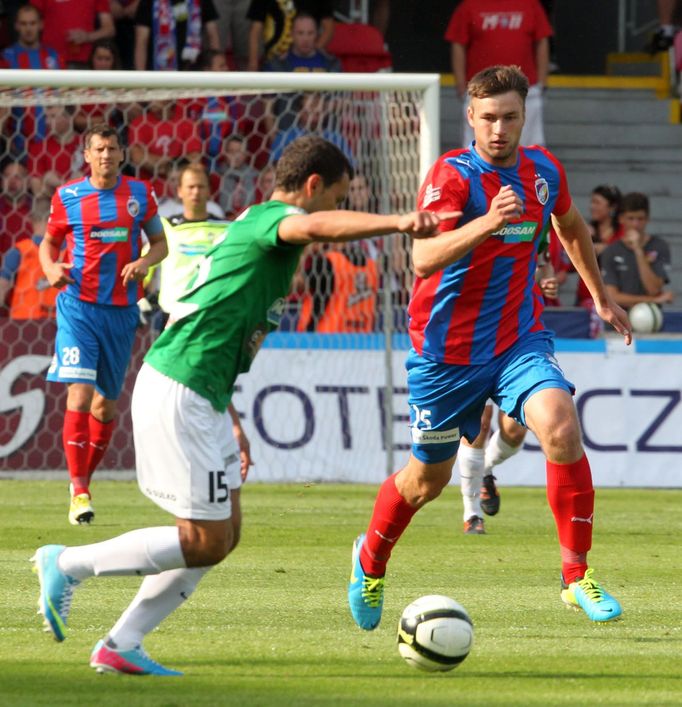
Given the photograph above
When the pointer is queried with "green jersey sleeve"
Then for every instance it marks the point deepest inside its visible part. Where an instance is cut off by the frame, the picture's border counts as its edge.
(266, 226)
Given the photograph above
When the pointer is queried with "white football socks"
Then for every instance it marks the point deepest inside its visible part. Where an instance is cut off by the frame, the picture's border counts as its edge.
(471, 469)
(159, 596)
(497, 450)
(139, 552)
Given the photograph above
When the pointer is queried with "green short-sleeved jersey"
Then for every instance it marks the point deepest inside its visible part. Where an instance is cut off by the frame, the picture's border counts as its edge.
(236, 298)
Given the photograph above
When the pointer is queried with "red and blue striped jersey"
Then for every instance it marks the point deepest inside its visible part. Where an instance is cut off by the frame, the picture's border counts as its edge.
(30, 121)
(480, 305)
(102, 228)
(18, 57)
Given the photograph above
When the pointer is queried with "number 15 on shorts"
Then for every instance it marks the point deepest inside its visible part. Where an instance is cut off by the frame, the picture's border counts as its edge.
(218, 490)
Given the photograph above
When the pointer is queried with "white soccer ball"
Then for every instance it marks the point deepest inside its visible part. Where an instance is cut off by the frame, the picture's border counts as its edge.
(646, 318)
(435, 633)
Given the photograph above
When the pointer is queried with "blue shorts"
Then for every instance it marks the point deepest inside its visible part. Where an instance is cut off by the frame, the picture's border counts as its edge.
(446, 401)
(93, 344)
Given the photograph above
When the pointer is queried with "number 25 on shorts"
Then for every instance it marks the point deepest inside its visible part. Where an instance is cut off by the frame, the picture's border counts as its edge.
(422, 418)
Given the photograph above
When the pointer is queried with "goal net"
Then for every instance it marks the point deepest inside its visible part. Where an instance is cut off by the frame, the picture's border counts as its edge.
(326, 397)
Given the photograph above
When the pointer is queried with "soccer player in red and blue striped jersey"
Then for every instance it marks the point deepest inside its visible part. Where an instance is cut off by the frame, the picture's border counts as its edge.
(476, 334)
(101, 218)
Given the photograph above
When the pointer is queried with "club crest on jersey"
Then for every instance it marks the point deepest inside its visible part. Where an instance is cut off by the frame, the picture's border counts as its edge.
(133, 206)
(542, 190)
(431, 194)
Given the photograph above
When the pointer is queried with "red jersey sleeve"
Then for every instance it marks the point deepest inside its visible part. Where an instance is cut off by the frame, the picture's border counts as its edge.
(444, 189)
(563, 200)
(57, 224)
(458, 27)
(542, 26)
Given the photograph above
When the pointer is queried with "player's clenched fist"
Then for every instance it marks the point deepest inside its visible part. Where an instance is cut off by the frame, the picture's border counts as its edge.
(422, 224)
(505, 207)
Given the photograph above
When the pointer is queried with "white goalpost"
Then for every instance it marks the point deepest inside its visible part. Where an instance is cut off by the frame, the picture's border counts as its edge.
(317, 406)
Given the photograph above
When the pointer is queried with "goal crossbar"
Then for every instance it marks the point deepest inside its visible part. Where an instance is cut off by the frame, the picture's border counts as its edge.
(251, 82)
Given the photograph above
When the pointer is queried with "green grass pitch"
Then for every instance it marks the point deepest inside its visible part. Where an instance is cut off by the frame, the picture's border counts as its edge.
(270, 626)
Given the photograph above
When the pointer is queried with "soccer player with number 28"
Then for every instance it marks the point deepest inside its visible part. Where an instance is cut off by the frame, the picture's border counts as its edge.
(100, 217)
(476, 334)
(183, 389)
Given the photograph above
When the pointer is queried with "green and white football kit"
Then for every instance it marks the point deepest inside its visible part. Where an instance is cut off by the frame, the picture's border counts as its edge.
(214, 332)
(187, 241)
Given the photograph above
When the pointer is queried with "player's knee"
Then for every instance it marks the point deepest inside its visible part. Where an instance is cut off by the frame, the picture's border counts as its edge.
(212, 551)
(429, 489)
(513, 435)
(204, 549)
(103, 409)
(561, 442)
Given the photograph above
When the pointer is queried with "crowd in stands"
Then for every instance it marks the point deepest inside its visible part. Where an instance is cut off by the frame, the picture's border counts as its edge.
(239, 139)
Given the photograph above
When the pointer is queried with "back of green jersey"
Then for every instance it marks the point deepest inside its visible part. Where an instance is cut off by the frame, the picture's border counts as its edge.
(236, 297)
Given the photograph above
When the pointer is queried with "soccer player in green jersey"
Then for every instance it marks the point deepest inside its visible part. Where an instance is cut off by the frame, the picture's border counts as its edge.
(190, 234)
(183, 389)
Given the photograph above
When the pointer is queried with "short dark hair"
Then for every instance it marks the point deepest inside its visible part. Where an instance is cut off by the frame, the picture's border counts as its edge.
(192, 168)
(611, 193)
(101, 129)
(635, 201)
(305, 16)
(110, 46)
(27, 7)
(496, 80)
(311, 155)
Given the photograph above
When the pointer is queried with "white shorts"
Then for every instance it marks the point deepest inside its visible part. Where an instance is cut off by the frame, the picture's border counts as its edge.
(186, 456)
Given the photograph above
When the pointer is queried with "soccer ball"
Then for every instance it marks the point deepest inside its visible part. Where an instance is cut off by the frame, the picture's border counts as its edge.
(435, 633)
(646, 318)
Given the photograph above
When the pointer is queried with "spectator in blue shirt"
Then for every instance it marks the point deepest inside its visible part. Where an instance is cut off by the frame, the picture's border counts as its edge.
(303, 55)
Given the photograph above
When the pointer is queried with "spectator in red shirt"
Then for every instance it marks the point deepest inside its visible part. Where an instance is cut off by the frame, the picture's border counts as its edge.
(606, 229)
(70, 27)
(159, 138)
(488, 32)
(58, 157)
(15, 206)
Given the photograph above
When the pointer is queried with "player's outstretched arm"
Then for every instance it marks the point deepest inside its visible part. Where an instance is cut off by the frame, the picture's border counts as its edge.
(430, 256)
(57, 273)
(341, 226)
(575, 237)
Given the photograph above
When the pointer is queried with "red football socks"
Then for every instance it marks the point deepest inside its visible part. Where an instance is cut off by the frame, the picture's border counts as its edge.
(100, 436)
(571, 497)
(392, 514)
(76, 438)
